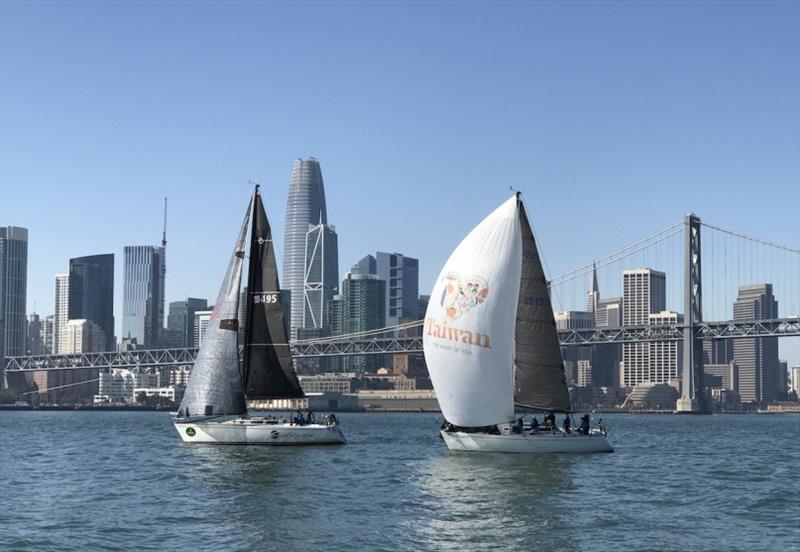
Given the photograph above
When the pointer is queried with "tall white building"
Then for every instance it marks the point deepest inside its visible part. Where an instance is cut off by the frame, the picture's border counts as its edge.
(61, 315)
(665, 356)
(795, 379)
(201, 319)
(82, 336)
(644, 292)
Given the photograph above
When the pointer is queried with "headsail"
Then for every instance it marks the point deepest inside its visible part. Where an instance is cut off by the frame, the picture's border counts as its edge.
(469, 325)
(215, 386)
(539, 380)
(268, 368)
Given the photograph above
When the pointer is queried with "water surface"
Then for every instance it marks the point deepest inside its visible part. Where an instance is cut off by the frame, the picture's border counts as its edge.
(124, 481)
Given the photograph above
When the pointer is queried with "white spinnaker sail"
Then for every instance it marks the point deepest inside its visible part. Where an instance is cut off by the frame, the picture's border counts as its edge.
(469, 325)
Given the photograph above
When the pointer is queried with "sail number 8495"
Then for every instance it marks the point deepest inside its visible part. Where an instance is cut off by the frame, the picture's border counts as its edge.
(265, 298)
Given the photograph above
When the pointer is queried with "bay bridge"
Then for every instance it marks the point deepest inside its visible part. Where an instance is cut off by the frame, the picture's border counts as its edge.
(732, 260)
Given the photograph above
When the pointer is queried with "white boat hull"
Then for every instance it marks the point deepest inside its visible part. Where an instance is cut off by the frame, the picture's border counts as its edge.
(243, 431)
(527, 443)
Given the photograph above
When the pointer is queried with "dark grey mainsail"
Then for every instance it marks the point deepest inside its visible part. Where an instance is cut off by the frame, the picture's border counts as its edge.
(539, 379)
(268, 368)
(215, 386)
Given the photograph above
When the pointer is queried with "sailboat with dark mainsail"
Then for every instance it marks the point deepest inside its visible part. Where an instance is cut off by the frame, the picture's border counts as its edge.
(491, 344)
(214, 406)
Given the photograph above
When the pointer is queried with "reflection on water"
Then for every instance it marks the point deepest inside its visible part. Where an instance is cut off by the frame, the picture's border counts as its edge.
(484, 499)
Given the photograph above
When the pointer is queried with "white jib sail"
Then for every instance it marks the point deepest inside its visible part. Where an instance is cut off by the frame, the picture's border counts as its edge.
(469, 325)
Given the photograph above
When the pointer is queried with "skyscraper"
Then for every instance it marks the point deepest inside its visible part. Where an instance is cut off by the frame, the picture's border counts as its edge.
(13, 291)
(91, 293)
(643, 293)
(305, 206)
(401, 275)
(757, 358)
(321, 276)
(33, 335)
(180, 322)
(143, 294)
(61, 316)
(360, 306)
(46, 330)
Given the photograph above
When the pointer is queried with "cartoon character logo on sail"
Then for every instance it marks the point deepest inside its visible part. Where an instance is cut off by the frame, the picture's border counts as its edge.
(462, 296)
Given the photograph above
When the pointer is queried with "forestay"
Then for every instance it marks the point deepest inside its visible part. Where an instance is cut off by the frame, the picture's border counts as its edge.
(215, 386)
(469, 324)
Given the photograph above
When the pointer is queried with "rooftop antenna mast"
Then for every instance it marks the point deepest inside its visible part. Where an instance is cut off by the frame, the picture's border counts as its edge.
(164, 233)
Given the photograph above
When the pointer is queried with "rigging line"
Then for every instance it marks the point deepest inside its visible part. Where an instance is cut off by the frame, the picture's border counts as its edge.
(366, 333)
(584, 268)
(574, 274)
(757, 240)
(38, 391)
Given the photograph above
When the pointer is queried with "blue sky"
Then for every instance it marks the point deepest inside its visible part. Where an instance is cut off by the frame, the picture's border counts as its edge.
(614, 119)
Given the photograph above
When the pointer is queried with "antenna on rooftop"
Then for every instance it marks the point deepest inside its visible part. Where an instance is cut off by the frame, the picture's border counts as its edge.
(164, 233)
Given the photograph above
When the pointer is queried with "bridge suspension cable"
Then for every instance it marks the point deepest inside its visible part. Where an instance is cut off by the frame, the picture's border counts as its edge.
(751, 238)
(618, 255)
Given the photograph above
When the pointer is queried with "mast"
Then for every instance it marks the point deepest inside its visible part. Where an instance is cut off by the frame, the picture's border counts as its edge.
(267, 367)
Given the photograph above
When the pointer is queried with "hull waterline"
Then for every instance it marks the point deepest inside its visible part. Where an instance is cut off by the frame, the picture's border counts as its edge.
(248, 432)
(539, 443)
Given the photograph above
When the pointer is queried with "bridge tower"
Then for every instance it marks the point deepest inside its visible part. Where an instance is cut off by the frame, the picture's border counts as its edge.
(692, 399)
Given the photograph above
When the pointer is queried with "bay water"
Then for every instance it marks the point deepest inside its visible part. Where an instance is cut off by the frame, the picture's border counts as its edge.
(124, 481)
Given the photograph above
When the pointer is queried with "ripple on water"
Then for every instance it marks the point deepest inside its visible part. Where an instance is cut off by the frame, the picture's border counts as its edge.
(122, 480)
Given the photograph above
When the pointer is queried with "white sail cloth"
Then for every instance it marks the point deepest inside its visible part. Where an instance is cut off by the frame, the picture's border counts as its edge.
(469, 324)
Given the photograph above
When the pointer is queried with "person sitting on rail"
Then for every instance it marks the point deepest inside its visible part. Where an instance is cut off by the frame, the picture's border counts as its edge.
(567, 424)
(534, 425)
(299, 419)
(517, 426)
(311, 418)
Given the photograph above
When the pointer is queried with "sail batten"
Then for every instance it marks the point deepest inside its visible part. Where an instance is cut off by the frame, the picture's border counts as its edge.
(268, 371)
(539, 379)
(215, 385)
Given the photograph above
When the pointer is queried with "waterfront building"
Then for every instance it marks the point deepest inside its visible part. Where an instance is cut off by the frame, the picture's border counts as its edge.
(91, 293)
(643, 294)
(179, 375)
(401, 274)
(727, 375)
(321, 274)
(360, 306)
(61, 310)
(757, 358)
(305, 206)
(201, 319)
(143, 294)
(13, 291)
(122, 385)
(181, 319)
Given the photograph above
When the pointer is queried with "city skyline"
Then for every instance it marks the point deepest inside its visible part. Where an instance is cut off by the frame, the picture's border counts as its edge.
(576, 122)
